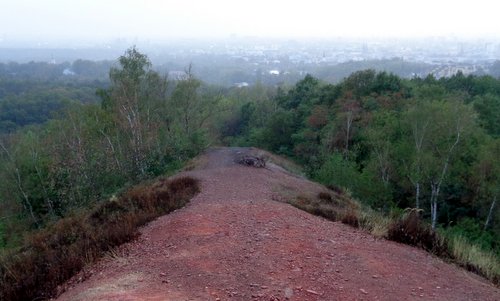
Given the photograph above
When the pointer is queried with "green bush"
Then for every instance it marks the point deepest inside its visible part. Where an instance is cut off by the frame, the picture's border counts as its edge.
(339, 172)
(473, 232)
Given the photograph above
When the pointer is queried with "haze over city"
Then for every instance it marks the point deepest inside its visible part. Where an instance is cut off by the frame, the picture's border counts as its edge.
(93, 20)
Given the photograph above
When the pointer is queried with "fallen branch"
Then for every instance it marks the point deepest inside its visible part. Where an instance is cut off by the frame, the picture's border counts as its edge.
(252, 161)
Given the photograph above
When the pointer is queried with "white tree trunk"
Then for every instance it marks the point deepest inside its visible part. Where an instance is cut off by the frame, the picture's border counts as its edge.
(490, 213)
(26, 201)
(436, 186)
(350, 117)
(434, 198)
(110, 143)
(417, 195)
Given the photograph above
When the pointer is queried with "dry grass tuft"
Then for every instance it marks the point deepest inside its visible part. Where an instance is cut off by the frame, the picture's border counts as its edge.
(475, 259)
(325, 196)
(350, 217)
(336, 189)
(329, 205)
(374, 222)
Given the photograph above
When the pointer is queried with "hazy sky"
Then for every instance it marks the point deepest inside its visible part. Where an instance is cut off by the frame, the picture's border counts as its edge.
(155, 19)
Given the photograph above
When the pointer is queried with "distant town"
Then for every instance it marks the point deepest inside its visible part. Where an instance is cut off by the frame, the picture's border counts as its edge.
(246, 61)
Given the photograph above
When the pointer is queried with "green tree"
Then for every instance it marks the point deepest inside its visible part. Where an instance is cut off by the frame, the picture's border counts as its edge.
(135, 96)
(488, 107)
(340, 172)
(381, 135)
(439, 130)
(347, 113)
(487, 175)
(360, 83)
(13, 177)
(277, 134)
(305, 91)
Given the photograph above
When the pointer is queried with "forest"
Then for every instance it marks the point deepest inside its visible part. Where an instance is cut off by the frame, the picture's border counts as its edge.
(389, 142)
(63, 150)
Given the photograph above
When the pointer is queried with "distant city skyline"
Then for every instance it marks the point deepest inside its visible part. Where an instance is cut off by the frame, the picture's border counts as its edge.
(92, 20)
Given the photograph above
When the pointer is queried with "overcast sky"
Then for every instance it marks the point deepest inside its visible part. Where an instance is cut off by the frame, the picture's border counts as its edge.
(159, 19)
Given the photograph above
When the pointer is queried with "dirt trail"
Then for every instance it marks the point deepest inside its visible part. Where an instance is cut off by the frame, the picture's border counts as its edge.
(234, 242)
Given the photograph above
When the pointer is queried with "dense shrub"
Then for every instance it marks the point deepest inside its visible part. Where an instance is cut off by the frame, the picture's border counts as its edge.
(351, 218)
(325, 196)
(475, 234)
(411, 230)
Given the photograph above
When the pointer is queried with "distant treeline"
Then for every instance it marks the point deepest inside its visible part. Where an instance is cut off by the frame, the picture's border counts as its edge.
(45, 71)
(31, 93)
(25, 101)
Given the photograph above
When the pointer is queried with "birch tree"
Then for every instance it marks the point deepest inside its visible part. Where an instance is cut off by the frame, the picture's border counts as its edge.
(186, 100)
(438, 134)
(417, 119)
(381, 136)
(348, 110)
(14, 172)
(135, 98)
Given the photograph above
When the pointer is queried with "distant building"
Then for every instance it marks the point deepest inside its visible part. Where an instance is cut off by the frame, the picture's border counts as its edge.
(68, 71)
(451, 70)
(274, 72)
(241, 85)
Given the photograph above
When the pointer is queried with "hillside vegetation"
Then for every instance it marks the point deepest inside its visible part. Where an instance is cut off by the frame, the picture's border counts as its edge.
(51, 256)
(89, 151)
(394, 144)
(390, 143)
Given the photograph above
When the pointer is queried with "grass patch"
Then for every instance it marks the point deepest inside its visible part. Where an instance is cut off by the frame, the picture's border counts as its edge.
(411, 230)
(330, 205)
(374, 222)
(54, 254)
(407, 228)
(474, 258)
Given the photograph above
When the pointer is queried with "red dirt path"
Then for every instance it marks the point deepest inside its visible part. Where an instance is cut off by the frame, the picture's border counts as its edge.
(234, 242)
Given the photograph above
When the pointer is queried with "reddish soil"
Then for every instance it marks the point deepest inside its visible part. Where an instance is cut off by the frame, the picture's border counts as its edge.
(234, 241)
